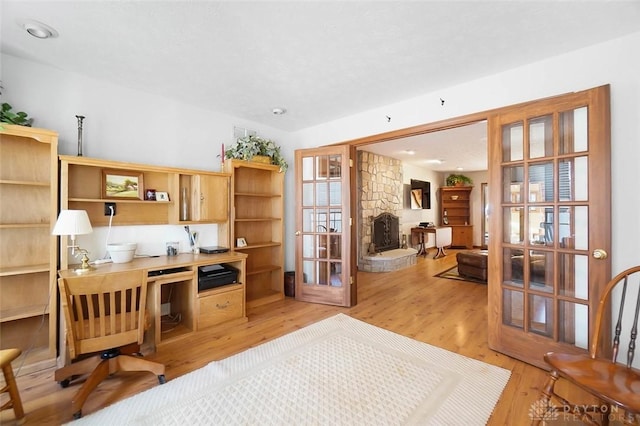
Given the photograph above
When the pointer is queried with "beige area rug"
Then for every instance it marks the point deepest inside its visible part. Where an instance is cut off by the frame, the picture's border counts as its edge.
(338, 371)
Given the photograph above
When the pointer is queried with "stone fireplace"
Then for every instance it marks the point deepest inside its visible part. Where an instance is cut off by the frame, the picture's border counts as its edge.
(380, 188)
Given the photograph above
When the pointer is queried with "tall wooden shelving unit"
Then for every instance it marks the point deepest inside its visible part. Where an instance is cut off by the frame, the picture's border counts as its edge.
(28, 210)
(257, 216)
(455, 211)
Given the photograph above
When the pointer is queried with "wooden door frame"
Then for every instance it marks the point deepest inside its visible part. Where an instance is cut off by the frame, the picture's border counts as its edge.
(449, 123)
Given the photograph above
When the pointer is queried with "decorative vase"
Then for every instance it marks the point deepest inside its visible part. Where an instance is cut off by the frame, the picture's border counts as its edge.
(184, 208)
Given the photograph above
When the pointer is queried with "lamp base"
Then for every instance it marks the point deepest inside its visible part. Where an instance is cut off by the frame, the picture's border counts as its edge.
(82, 270)
(84, 266)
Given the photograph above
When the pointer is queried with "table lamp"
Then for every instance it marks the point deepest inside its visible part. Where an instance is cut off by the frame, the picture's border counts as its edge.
(72, 223)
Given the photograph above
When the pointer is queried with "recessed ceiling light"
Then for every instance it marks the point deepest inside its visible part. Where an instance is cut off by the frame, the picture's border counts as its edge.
(278, 111)
(459, 169)
(410, 152)
(38, 29)
(435, 161)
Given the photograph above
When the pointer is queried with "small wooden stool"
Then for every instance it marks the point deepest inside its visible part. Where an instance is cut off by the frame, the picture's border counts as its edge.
(6, 357)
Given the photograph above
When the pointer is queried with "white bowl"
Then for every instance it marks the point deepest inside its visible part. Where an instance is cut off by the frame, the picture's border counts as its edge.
(122, 252)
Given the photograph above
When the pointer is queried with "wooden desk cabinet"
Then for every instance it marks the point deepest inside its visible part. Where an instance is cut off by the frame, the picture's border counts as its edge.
(176, 308)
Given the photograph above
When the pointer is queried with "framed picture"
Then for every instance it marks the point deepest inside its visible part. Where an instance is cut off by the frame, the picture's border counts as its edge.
(241, 242)
(162, 196)
(150, 195)
(122, 184)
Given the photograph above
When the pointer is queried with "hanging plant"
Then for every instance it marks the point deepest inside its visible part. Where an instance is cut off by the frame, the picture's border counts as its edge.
(250, 146)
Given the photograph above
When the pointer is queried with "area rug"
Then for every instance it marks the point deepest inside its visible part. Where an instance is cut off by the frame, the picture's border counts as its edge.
(338, 371)
(453, 274)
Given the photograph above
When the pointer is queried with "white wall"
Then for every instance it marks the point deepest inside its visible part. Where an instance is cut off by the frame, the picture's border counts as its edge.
(411, 218)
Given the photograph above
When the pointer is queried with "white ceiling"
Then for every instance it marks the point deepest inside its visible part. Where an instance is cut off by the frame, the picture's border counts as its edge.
(459, 149)
(319, 60)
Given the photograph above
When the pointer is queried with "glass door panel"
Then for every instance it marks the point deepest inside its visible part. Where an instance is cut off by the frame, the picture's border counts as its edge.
(512, 142)
(555, 208)
(541, 137)
(541, 315)
(323, 240)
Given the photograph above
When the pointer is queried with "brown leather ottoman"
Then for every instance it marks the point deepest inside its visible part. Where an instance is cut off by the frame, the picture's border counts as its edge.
(473, 264)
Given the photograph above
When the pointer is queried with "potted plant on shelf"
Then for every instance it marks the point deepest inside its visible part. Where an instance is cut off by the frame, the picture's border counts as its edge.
(458, 180)
(10, 117)
(248, 147)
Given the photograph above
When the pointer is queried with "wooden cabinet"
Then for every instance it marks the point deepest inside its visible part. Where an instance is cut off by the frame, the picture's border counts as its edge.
(82, 186)
(201, 198)
(257, 217)
(217, 306)
(28, 210)
(455, 211)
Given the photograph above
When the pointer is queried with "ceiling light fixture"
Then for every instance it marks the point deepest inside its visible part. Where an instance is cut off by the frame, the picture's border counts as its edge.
(278, 111)
(39, 30)
(410, 152)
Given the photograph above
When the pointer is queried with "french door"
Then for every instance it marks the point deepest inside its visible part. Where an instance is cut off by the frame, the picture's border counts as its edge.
(550, 214)
(324, 226)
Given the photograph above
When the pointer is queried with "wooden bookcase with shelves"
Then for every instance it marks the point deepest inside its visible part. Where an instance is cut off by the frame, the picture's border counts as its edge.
(28, 210)
(455, 211)
(257, 217)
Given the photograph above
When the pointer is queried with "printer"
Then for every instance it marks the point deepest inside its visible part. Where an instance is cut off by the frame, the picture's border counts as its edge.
(211, 276)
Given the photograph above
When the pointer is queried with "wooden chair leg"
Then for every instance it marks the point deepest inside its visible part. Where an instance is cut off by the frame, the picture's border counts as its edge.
(79, 368)
(132, 363)
(545, 397)
(14, 395)
(100, 373)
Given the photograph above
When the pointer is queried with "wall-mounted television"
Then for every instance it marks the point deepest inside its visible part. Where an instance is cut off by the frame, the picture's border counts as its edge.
(420, 194)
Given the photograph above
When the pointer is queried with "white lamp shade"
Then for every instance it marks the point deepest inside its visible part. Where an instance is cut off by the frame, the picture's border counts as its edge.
(72, 222)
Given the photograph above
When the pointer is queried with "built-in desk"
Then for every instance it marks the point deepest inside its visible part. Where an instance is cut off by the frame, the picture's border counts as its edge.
(176, 308)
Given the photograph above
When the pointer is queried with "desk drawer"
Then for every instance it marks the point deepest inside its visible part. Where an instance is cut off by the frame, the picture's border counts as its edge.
(218, 308)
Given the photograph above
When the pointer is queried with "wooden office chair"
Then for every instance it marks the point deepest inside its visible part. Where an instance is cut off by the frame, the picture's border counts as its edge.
(6, 357)
(443, 239)
(105, 315)
(613, 383)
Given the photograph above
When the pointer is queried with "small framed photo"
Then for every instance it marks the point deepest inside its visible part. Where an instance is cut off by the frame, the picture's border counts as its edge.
(241, 242)
(150, 195)
(122, 184)
(162, 196)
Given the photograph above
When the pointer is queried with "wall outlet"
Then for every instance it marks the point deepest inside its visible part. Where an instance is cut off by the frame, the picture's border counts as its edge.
(108, 207)
(165, 309)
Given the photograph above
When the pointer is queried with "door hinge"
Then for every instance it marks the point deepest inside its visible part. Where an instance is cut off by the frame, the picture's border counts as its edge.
(350, 162)
(350, 221)
(351, 280)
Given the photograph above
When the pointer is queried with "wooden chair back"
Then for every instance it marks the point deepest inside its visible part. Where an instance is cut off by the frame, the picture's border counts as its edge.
(103, 311)
(624, 313)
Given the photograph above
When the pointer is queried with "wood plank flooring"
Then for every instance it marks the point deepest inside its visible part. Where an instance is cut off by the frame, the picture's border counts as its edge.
(412, 302)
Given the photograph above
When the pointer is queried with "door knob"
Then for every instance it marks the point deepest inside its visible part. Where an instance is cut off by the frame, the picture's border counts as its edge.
(600, 254)
(297, 233)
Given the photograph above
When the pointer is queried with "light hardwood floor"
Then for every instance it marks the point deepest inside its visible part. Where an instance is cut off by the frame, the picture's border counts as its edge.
(412, 302)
